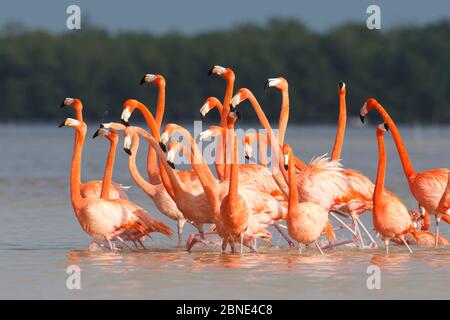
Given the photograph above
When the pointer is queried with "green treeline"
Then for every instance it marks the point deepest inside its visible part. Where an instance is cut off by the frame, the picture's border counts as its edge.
(407, 69)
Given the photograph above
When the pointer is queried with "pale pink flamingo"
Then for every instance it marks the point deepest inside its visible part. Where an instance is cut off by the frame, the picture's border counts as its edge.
(92, 189)
(107, 219)
(306, 221)
(157, 192)
(427, 186)
(391, 218)
(184, 185)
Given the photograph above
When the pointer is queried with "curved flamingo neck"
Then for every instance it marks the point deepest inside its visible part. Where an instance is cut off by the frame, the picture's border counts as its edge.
(266, 125)
(220, 166)
(78, 106)
(153, 172)
(75, 171)
(148, 188)
(170, 180)
(403, 154)
(284, 115)
(381, 170)
(340, 133)
(107, 176)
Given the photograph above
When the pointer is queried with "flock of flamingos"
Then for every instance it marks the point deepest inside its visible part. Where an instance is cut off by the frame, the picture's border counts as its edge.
(244, 200)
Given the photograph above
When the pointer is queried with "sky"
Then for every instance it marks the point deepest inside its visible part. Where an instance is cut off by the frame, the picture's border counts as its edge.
(192, 16)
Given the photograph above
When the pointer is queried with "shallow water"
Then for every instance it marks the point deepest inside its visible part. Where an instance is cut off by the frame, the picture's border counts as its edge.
(40, 237)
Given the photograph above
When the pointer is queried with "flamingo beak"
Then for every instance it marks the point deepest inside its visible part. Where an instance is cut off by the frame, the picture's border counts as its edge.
(386, 126)
(96, 134)
(202, 117)
(286, 161)
(128, 151)
(171, 164)
(361, 117)
(162, 146)
(62, 104)
(125, 123)
(341, 85)
(266, 85)
(142, 81)
(210, 72)
(62, 124)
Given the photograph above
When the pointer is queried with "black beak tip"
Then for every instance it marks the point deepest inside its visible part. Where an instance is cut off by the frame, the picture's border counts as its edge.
(171, 164)
(286, 167)
(202, 117)
(361, 117)
(95, 134)
(163, 146)
(266, 85)
(142, 81)
(128, 151)
(247, 157)
(386, 126)
(62, 105)
(62, 124)
(341, 85)
(125, 123)
(102, 126)
(238, 115)
(210, 72)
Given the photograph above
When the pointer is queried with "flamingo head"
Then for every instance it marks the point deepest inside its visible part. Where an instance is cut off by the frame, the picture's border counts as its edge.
(342, 88)
(241, 95)
(382, 128)
(368, 105)
(210, 103)
(108, 133)
(248, 150)
(128, 108)
(77, 125)
(225, 73)
(173, 148)
(279, 83)
(212, 131)
(287, 151)
(168, 131)
(155, 79)
(128, 134)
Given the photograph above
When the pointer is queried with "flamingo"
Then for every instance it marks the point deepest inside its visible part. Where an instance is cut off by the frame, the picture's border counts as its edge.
(306, 221)
(237, 204)
(427, 186)
(159, 81)
(391, 218)
(184, 185)
(102, 218)
(92, 189)
(228, 75)
(157, 193)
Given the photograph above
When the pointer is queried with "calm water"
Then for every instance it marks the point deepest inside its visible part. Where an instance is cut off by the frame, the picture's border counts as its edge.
(40, 237)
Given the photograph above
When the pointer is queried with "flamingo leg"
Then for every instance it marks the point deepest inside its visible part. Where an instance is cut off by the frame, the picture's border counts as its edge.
(336, 244)
(406, 243)
(110, 245)
(180, 226)
(224, 245)
(299, 248)
(318, 247)
(142, 244)
(124, 243)
(374, 243)
(436, 239)
(285, 237)
(386, 245)
(242, 243)
(343, 224)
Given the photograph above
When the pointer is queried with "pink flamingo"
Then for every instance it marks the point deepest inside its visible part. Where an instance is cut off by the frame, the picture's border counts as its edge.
(306, 221)
(103, 218)
(427, 186)
(92, 189)
(390, 216)
(157, 193)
